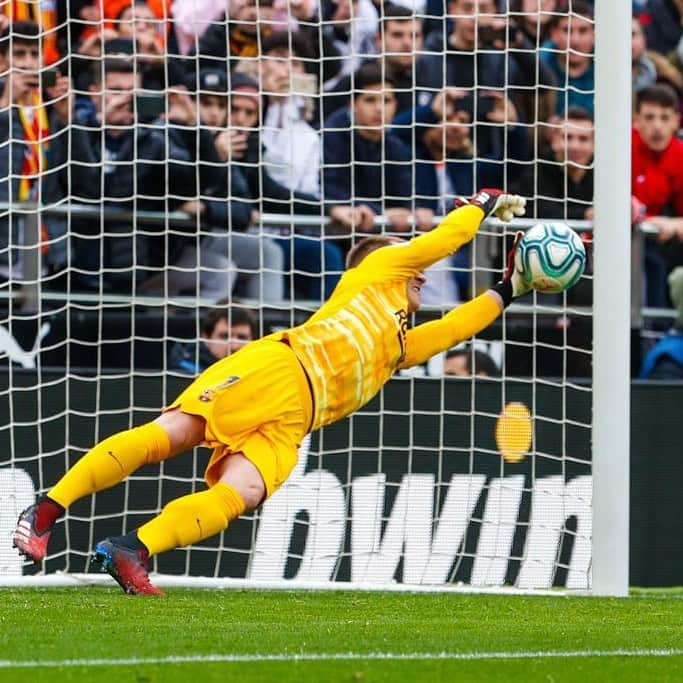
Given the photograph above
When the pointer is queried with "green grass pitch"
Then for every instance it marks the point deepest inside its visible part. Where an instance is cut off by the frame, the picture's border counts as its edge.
(97, 633)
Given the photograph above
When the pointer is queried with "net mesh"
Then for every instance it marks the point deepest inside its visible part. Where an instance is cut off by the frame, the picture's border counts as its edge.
(162, 161)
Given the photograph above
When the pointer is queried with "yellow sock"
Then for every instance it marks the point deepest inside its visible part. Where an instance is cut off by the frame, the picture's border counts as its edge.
(192, 518)
(111, 461)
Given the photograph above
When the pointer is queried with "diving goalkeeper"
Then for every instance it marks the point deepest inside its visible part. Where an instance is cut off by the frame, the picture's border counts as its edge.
(255, 406)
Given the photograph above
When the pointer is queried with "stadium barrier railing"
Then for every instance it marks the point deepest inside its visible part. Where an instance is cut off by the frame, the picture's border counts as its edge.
(31, 212)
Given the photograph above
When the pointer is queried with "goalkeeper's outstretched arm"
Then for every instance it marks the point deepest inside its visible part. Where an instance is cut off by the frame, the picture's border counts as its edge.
(428, 339)
(457, 228)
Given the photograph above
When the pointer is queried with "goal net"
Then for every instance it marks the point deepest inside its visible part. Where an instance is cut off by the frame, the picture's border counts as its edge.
(158, 167)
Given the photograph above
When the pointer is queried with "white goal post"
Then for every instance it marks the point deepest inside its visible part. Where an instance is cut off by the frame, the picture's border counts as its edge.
(517, 480)
(612, 302)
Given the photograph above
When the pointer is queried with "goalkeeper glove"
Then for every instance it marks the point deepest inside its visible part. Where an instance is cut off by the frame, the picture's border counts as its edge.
(496, 203)
(514, 283)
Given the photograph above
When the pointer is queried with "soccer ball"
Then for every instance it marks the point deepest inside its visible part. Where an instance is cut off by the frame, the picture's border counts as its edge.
(551, 256)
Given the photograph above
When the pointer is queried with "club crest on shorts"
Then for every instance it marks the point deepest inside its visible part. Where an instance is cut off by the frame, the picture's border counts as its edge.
(209, 394)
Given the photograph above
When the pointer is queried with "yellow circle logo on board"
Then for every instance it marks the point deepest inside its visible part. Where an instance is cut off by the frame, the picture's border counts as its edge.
(513, 432)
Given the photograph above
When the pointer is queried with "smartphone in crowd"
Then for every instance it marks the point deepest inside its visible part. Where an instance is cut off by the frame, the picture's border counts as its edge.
(48, 78)
(149, 107)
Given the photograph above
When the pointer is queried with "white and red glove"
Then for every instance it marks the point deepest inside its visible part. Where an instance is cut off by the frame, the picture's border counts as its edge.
(496, 203)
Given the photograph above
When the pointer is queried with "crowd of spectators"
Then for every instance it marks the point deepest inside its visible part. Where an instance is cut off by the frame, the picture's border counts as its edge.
(343, 110)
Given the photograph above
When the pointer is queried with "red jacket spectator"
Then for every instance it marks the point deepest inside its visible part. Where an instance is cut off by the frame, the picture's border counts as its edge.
(657, 177)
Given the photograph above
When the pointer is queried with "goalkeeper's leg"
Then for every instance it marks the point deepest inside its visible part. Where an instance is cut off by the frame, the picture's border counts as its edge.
(182, 522)
(108, 463)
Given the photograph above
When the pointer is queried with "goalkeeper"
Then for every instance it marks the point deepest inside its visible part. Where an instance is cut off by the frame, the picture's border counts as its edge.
(254, 407)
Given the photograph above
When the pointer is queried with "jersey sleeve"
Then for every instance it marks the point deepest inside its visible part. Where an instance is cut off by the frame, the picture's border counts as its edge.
(456, 229)
(428, 339)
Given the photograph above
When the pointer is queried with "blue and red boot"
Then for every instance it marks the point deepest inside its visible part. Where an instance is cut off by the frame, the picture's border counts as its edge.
(128, 566)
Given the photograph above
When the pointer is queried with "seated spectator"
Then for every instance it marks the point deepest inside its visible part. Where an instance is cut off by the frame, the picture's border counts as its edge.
(291, 147)
(35, 140)
(224, 331)
(569, 54)
(648, 67)
(223, 209)
(560, 185)
(468, 362)
(304, 251)
(483, 51)
(533, 17)
(364, 162)
(127, 167)
(665, 359)
(398, 42)
(657, 181)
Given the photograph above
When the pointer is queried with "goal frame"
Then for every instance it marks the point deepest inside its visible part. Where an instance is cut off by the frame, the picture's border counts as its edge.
(612, 299)
(611, 343)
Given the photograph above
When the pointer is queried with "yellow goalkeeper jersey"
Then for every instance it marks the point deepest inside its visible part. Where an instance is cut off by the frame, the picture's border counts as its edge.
(356, 341)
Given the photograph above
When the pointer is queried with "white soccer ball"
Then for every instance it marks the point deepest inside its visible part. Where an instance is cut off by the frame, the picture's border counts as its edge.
(551, 256)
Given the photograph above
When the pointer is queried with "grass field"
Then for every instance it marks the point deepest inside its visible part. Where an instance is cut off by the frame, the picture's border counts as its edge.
(97, 633)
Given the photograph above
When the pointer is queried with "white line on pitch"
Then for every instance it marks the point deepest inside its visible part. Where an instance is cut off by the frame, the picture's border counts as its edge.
(332, 656)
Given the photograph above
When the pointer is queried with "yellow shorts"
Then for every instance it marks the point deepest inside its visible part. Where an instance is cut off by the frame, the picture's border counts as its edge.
(257, 402)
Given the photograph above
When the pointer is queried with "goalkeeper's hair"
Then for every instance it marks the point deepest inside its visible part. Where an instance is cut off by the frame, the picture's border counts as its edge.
(24, 32)
(366, 246)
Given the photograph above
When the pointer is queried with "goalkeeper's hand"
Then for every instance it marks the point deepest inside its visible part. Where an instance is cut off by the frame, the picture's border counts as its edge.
(496, 203)
(513, 284)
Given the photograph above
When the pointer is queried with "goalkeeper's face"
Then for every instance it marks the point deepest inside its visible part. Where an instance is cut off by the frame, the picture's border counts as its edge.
(415, 292)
